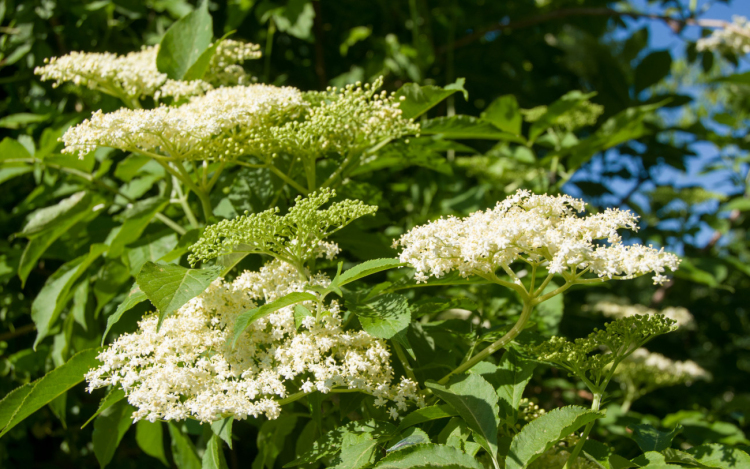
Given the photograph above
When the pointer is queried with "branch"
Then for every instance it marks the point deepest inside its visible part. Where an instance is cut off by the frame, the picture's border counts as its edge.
(675, 23)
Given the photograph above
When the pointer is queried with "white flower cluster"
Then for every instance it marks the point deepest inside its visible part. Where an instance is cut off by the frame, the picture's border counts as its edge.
(189, 369)
(734, 38)
(613, 310)
(541, 230)
(212, 126)
(135, 75)
(645, 371)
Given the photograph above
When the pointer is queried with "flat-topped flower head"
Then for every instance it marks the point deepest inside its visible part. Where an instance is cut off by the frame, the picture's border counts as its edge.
(643, 372)
(610, 309)
(541, 230)
(189, 367)
(733, 38)
(135, 75)
(213, 126)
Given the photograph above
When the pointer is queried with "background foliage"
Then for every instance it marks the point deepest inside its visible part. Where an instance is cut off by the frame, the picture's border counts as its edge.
(535, 51)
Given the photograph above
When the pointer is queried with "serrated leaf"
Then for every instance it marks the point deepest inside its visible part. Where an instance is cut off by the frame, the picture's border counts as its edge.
(150, 439)
(467, 127)
(504, 114)
(114, 396)
(426, 414)
(720, 456)
(358, 455)
(169, 287)
(201, 65)
(476, 402)
(300, 313)
(137, 219)
(271, 439)
(427, 456)
(513, 374)
(384, 316)
(183, 450)
(53, 297)
(135, 296)
(331, 442)
(49, 217)
(213, 457)
(542, 433)
(109, 428)
(366, 268)
(184, 43)
(223, 429)
(12, 149)
(412, 436)
(46, 388)
(420, 99)
(248, 317)
(651, 439)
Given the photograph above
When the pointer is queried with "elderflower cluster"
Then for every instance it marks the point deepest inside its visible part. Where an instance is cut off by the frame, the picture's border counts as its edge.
(591, 357)
(294, 237)
(189, 368)
(135, 75)
(644, 371)
(541, 230)
(212, 126)
(733, 38)
(679, 315)
(344, 122)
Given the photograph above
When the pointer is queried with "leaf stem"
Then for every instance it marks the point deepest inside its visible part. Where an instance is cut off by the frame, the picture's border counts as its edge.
(577, 449)
(404, 360)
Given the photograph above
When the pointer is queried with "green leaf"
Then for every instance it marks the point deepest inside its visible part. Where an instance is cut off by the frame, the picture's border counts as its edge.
(604, 455)
(476, 402)
(151, 249)
(49, 217)
(15, 121)
(384, 316)
(681, 457)
(201, 65)
(271, 439)
(426, 414)
(150, 438)
(652, 69)
(109, 428)
(135, 296)
(80, 300)
(184, 43)
(720, 456)
(183, 245)
(248, 317)
(223, 429)
(467, 127)
(169, 287)
(740, 203)
(12, 149)
(183, 450)
(53, 297)
(542, 433)
(412, 436)
(420, 99)
(569, 101)
(736, 78)
(428, 456)
(45, 389)
(114, 396)
(513, 374)
(358, 455)
(651, 439)
(137, 219)
(331, 442)
(504, 114)
(48, 226)
(366, 268)
(213, 457)
(6, 174)
(300, 313)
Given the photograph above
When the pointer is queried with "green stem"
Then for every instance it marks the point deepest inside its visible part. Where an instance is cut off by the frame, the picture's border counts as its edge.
(287, 179)
(184, 203)
(528, 307)
(404, 361)
(574, 454)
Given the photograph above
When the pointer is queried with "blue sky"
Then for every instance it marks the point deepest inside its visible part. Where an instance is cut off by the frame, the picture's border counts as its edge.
(662, 37)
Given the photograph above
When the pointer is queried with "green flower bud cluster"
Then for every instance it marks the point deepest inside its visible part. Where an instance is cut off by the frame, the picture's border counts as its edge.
(294, 238)
(341, 122)
(591, 358)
